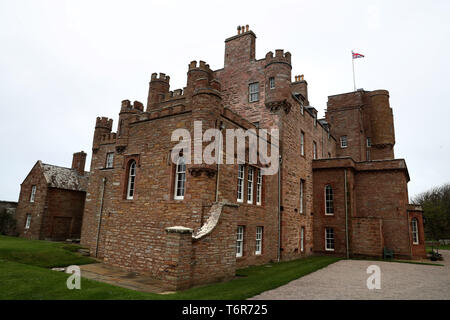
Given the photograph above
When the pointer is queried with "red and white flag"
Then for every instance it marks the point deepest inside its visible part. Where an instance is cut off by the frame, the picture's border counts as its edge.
(357, 55)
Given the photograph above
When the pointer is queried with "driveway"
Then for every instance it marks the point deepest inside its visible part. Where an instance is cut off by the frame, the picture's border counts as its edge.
(347, 279)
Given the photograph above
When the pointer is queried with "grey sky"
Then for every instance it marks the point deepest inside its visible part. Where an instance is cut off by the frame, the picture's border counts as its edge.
(63, 63)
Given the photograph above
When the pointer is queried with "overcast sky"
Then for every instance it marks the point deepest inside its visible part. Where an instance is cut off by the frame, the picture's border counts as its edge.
(63, 63)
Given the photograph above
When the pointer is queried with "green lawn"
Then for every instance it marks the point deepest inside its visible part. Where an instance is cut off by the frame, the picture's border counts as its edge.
(441, 247)
(40, 253)
(29, 280)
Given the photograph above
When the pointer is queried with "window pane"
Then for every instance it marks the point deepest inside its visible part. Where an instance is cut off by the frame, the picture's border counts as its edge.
(180, 179)
(253, 92)
(240, 185)
(250, 185)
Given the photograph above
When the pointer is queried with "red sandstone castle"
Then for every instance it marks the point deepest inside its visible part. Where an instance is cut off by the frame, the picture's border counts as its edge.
(339, 189)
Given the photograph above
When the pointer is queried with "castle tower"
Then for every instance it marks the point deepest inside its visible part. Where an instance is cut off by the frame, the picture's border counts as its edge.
(207, 105)
(103, 126)
(277, 74)
(195, 72)
(158, 88)
(127, 114)
(382, 125)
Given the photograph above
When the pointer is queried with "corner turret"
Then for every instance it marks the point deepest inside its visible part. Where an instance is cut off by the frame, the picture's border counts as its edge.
(103, 126)
(158, 89)
(277, 73)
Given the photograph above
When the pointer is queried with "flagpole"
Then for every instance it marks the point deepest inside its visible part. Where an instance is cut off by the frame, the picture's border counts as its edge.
(353, 68)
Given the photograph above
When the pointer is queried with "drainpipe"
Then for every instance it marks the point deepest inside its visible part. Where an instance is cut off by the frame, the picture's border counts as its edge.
(346, 214)
(279, 209)
(219, 154)
(100, 215)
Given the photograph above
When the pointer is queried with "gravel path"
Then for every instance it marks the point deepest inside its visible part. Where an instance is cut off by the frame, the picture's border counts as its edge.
(346, 279)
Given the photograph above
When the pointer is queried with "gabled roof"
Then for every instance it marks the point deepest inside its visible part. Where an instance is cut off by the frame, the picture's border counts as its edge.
(64, 178)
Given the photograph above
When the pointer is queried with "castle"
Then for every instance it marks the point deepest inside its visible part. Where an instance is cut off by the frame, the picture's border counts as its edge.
(339, 190)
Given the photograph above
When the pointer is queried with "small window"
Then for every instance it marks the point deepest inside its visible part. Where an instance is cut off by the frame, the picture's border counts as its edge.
(314, 150)
(329, 239)
(250, 185)
(302, 188)
(259, 236)
(33, 193)
(302, 143)
(272, 83)
(302, 239)
(329, 200)
(180, 179)
(302, 108)
(369, 142)
(253, 92)
(109, 159)
(415, 231)
(240, 184)
(131, 180)
(239, 241)
(344, 142)
(329, 155)
(28, 221)
(259, 187)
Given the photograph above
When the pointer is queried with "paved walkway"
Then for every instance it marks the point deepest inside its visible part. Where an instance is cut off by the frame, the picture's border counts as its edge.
(121, 278)
(346, 279)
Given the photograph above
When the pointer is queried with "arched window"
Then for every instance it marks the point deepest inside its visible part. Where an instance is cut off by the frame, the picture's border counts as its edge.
(415, 231)
(131, 179)
(180, 179)
(329, 200)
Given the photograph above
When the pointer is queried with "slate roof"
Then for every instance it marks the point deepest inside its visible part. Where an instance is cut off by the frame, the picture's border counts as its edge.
(64, 178)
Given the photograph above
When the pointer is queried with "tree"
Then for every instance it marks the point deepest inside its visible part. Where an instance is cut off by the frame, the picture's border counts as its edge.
(7, 222)
(436, 206)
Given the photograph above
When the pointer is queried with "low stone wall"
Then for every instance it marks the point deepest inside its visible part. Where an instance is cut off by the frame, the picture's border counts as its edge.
(203, 256)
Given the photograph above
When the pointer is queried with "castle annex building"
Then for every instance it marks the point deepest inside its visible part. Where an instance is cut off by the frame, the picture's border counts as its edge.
(51, 201)
(339, 190)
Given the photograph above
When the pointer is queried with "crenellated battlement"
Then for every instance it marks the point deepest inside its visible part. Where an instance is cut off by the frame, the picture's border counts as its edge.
(127, 106)
(202, 65)
(280, 57)
(108, 138)
(104, 122)
(162, 77)
(175, 94)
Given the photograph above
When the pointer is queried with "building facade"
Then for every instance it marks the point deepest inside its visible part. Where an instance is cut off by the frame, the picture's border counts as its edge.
(192, 222)
(51, 201)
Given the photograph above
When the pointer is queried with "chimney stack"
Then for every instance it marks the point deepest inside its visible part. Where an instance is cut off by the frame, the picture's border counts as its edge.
(79, 161)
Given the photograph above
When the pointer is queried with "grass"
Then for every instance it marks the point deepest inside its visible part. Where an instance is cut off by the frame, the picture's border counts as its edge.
(22, 276)
(441, 247)
(40, 253)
